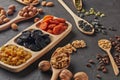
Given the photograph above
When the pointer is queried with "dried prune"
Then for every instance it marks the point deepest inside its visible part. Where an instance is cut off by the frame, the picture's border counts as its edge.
(19, 41)
(25, 35)
(35, 33)
(34, 47)
(33, 39)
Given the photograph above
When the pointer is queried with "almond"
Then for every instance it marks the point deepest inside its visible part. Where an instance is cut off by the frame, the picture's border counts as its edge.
(49, 4)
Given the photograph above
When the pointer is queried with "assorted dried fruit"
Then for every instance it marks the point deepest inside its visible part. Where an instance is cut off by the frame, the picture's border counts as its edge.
(53, 25)
(14, 55)
(28, 11)
(34, 40)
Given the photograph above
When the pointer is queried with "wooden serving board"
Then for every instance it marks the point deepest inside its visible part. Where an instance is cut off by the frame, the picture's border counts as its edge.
(55, 39)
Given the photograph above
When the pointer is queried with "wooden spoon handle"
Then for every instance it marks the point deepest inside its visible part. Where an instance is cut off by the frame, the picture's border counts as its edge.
(55, 74)
(8, 24)
(115, 67)
(69, 10)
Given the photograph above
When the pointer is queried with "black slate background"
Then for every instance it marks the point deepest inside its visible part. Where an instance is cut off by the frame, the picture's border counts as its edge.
(81, 57)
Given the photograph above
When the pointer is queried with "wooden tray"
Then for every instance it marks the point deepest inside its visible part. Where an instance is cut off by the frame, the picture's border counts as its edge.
(55, 39)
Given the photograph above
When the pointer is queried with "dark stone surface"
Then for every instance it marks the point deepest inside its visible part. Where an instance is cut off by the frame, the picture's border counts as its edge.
(81, 57)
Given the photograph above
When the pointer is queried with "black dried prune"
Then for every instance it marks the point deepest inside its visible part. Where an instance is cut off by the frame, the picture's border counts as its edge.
(36, 33)
(25, 35)
(34, 47)
(19, 41)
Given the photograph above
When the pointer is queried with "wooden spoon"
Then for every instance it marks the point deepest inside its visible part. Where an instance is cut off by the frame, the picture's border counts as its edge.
(22, 2)
(17, 19)
(78, 4)
(77, 19)
(115, 67)
(55, 70)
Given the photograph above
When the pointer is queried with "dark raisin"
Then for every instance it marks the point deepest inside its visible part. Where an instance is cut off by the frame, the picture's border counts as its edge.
(19, 41)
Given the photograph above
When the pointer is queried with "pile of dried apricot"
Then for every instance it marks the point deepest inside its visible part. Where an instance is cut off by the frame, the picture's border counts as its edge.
(53, 25)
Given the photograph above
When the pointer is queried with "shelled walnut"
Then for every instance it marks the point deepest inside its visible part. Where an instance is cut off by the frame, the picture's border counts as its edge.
(60, 60)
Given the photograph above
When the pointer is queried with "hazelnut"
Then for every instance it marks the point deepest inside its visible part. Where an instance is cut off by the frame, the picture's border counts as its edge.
(14, 26)
(34, 10)
(43, 3)
(80, 76)
(65, 75)
(12, 7)
(3, 12)
(6, 20)
(30, 13)
(21, 13)
(25, 14)
(3, 17)
(36, 20)
(10, 12)
(49, 4)
(40, 10)
(44, 65)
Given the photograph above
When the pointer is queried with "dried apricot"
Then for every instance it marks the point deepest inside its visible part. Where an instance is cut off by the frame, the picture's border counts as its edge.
(51, 26)
(60, 20)
(43, 25)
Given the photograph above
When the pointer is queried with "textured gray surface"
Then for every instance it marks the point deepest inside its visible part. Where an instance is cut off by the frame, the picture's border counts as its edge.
(80, 58)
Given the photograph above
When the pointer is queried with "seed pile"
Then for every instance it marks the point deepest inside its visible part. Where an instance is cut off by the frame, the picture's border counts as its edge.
(116, 43)
(85, 26)
(33, 39)
(14, 55)
(91, 11)
(28, 11)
